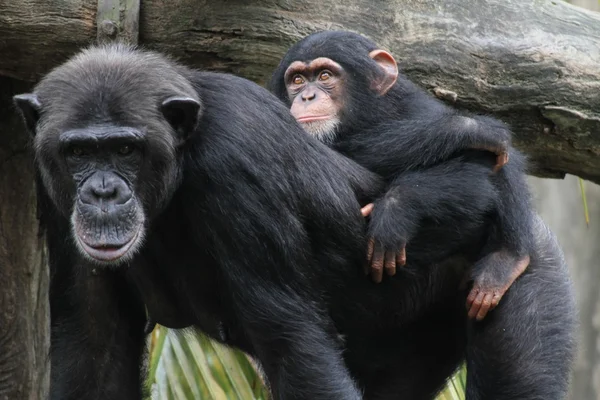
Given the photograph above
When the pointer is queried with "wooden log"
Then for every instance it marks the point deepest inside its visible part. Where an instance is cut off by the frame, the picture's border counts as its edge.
(534, 64)
(24, 309)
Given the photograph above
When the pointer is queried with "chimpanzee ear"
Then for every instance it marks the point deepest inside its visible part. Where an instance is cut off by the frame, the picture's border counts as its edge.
(30, 108)
(183, 113)
(390, 71)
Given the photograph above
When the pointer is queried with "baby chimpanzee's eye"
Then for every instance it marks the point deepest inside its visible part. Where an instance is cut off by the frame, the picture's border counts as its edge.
(298, 80)
(325, 75)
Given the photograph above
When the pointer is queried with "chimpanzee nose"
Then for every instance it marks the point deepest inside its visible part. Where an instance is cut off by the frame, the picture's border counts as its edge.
(103, 189)
(308, 95)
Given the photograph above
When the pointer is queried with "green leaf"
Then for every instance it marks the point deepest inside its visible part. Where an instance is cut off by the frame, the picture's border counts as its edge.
(456, 385)
(190, 366)
(586, 212)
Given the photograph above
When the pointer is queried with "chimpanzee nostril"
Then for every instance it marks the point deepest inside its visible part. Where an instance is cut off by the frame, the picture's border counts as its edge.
(103, 189)
(308, 96)
(106, 192)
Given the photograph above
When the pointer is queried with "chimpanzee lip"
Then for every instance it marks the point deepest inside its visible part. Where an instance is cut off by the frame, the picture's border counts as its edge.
(311, 118)
(107, 253)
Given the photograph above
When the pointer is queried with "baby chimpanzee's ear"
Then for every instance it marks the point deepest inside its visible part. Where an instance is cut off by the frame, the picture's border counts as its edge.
(30, 108)
(183, 113)
(387, 79)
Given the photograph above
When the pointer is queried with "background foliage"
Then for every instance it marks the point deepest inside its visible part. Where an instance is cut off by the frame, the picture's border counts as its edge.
(188, 365)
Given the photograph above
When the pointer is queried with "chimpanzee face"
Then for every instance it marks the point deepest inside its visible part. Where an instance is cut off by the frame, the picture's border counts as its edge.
(316, 92)
(330, 79)
(108, 148)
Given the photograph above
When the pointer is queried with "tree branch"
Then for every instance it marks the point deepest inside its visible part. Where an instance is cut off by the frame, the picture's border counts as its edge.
(533, 64)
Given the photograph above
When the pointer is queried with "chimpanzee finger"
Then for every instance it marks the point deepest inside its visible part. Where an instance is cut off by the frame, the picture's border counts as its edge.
(485, 307)
(377, 264)
(390, 263)
(495, 300)
(471, 297)
(476, 305)
(370, 248)
(401, 258)
(366, 210)
(473, 311)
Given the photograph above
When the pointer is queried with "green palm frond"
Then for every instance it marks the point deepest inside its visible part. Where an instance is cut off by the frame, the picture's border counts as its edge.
(190, 366)
(586, 212)
(455, 388)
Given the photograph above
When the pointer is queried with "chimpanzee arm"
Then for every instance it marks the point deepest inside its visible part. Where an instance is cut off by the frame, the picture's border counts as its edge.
(506, 254)
(97, 337)
(457, 189)
(514, 214)
(456, 193)
(401, 145)
(446, 193)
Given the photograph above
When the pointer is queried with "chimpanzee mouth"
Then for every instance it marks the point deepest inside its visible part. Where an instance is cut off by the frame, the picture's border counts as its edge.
(312, 118)
(108, 253)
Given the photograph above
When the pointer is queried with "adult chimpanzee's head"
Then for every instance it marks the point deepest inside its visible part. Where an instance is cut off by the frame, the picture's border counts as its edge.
(107, 126)
(331, 79)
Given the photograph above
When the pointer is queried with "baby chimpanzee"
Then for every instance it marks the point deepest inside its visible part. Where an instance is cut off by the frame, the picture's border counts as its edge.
(348, 93)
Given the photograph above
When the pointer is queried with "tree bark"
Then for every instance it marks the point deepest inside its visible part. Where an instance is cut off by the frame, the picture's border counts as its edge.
(24, 310)
(534, 64)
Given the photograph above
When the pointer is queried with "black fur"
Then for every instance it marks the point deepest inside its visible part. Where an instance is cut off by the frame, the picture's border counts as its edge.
(407, 137)
(252, 225)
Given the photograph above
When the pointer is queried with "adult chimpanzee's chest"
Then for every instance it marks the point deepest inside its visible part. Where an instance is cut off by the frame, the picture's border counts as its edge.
(177, 280)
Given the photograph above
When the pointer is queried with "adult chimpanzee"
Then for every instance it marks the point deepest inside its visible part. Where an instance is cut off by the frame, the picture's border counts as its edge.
(198, 196)
(348, 93)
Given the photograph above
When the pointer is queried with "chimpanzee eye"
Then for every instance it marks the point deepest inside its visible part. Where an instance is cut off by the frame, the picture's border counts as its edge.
(297, 80)
(76, 151)
(325, 75)
(125, 150)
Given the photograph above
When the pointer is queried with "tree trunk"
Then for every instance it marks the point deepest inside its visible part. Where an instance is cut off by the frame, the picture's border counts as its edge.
(534, 64)
(24, 309)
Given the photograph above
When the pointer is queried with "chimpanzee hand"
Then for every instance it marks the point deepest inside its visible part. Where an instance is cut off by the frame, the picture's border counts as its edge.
(481, 133)
(493, 275)
(496, 139)
(387, 238)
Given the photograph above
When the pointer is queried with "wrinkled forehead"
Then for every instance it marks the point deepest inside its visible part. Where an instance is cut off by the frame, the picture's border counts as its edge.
(77, 109)
(110, 85)
(80, 102)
